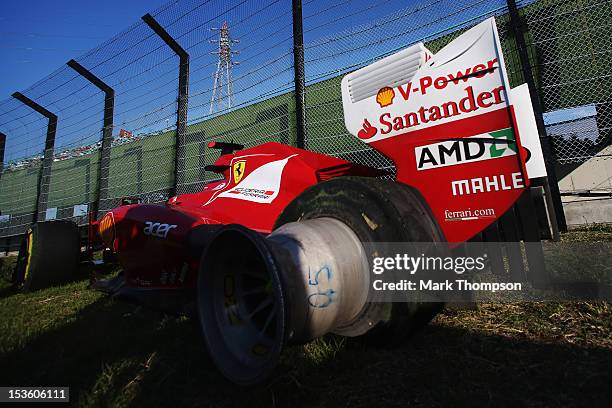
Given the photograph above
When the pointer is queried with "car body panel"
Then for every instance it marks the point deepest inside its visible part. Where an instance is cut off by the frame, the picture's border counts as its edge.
(152, 241)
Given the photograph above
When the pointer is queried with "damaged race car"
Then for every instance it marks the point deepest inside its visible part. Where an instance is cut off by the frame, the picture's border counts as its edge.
(274, 252)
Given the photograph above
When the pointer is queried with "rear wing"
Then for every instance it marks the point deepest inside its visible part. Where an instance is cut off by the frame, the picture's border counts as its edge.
(452, 125)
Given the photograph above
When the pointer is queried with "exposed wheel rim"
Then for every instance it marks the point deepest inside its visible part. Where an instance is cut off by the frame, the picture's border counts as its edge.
(240, 304)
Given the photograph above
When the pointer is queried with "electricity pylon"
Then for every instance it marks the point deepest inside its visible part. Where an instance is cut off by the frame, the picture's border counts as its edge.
(223, 89)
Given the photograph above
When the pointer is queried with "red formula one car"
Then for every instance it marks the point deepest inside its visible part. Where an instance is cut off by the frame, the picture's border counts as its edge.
(273, 253)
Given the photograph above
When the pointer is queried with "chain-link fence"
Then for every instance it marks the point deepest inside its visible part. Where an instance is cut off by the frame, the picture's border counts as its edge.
(571, 45)
(239, 85)
(371, 30)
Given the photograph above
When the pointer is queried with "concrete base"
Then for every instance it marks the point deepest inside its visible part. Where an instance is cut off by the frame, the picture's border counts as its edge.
(587, 210)
(592, 176)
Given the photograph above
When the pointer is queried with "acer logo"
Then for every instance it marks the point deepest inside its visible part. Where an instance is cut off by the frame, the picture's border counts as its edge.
(157, 229)
(477, 148)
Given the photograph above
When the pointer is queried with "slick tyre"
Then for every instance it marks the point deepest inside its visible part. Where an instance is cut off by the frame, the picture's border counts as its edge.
(377, 211)
(49, 255)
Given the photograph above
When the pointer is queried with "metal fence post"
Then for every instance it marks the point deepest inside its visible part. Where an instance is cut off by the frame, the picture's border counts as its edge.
(2, 146)
(45, 171)
(107, 133)
(183, 97)
(299, 74)
(552, 186)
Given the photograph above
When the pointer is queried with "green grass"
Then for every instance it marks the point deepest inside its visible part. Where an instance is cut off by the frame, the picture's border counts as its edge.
(119, 354)
(589, 233)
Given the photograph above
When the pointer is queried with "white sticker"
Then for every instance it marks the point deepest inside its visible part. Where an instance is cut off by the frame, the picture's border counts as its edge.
(528, 131)
(260, 186)
(51, 214)
(466, 78)
(79, 210)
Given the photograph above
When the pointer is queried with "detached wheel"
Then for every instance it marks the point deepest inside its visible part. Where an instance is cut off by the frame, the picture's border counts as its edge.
(49, 255)
(377, 211)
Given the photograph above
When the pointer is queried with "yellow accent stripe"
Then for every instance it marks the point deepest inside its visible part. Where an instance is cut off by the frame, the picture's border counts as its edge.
(30, 239)
(107, 229)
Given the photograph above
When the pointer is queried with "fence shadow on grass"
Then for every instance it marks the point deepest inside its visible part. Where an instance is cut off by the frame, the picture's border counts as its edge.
(116, 353)
(6, 289)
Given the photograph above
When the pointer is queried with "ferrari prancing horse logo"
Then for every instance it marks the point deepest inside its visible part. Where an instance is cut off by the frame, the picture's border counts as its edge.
(238, 170)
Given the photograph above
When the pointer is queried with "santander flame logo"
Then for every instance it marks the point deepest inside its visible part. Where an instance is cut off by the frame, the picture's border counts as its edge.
(368, 130)
(385, 96)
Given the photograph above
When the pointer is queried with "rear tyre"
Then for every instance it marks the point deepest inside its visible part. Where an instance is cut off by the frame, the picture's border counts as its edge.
(377, 211)
(49, 255)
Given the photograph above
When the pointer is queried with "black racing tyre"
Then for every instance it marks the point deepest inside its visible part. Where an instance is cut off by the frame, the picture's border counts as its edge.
(377, 211)
(49, 255)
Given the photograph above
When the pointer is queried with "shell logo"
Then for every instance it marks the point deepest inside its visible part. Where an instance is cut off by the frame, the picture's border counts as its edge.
(385, 96)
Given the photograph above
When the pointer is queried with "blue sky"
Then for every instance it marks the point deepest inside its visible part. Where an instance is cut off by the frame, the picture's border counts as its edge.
(37, 36)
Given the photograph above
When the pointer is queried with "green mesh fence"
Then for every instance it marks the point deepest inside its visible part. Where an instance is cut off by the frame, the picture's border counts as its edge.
(18, 191)
(569, 45)
(266, 121)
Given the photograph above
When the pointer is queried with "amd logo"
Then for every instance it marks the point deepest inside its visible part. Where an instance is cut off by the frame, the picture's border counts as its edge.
(472, 149)
(157, 229)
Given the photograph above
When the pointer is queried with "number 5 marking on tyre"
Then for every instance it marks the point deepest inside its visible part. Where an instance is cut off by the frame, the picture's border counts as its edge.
(320, 299)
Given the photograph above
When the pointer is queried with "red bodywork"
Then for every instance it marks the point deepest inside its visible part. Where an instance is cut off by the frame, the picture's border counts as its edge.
(449, 127)
(152, 244)
(150, 241)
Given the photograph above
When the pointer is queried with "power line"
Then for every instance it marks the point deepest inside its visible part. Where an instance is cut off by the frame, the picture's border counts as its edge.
(43, 49)
(47, 35)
